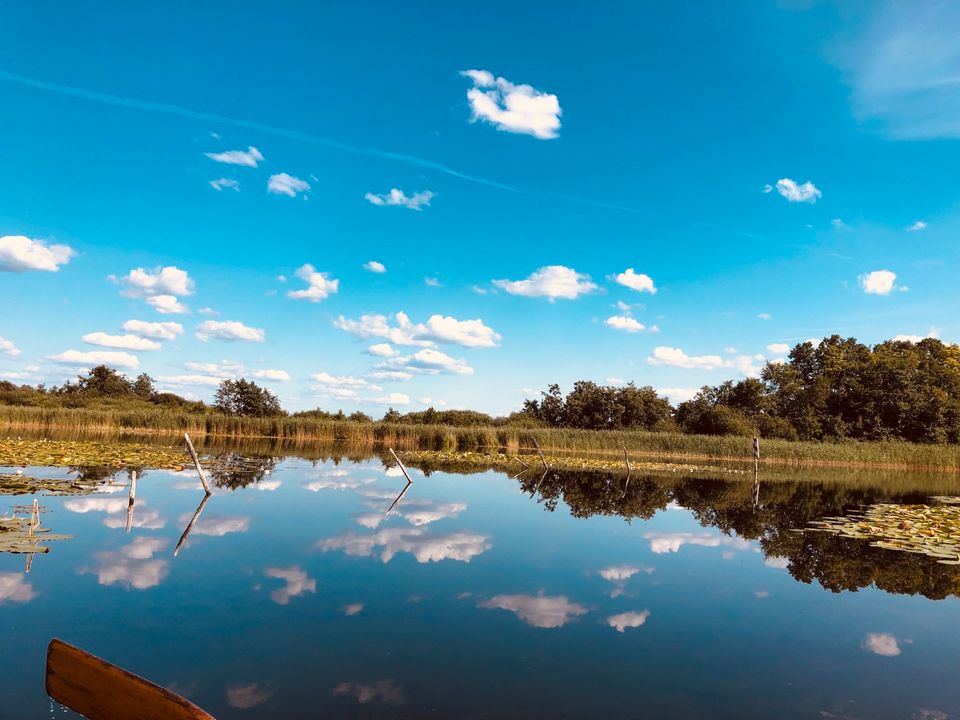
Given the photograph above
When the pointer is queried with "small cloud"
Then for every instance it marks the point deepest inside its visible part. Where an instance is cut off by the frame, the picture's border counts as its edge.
(19, 254)
(789, 189)
(353, 608)
(383, 350)
(228, 330)
(678, 395)
(551, 282)
(880, 282)
(933, 333)
(541, 611)
(432, 282)
(398, 198)
(284, 184)
(319, 285)
(8, 348)
(125, 342)
(513, 108)
(635, 281)
(839, 224)
(244, 697)
(208, 312)
(375, 267)
(437, 329)
(15, 588)
(248, 158)
(387, 692)
(168, 280)
(156, 330)
(221, 183)
(428, 362)
(628, 620)
(338, 380)
(297, 583)
(271, 374)
(676, 357)
(778, 348)
(167, 305)
(391, 399)
(765, 316)
(917, 226)
(883, 644)
(626, 324)
(96, 357)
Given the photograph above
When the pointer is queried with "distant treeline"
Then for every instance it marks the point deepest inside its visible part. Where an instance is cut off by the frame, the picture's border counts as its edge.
(834, 390)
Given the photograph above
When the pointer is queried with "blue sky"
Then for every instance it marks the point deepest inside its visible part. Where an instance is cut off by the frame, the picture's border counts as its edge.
(632, 191)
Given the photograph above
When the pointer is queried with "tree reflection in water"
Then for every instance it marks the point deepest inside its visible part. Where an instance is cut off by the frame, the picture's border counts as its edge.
(836, 563)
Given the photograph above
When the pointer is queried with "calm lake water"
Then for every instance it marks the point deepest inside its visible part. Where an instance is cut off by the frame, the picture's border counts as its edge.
(484, 596)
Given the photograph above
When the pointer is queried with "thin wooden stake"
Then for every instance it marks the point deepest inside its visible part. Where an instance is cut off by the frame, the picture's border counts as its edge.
(133, 498)
(626, 459)
(193, 521)
(525, 466)
(196, 463)
(402, 468)
(397, 499)
(542, 459)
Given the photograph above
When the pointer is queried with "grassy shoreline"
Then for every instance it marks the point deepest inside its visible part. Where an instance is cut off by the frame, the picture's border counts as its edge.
(294, 431)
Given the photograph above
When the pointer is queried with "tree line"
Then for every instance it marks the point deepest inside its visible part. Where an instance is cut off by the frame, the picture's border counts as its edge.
(836, 389)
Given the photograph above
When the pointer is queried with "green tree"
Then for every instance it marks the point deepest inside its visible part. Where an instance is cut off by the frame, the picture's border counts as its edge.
(244, 397)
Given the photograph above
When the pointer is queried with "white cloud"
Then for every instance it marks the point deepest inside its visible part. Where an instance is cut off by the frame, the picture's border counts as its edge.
(390, 375)
(678, 395)
(126, 342)
(432, 282)
(431, 512)
(627, 324)
(208, 312)
(8, 348)
(638, 282)
(429, 362)
(672, 542)
(438, 328)
(839, 224)
(297, 582)
(628, 620)
(806, 192)
(399, 198)
(283, 184)
(222, 369)
(934, 333)
(247, 696)
(195, 380)
(338, 380)
(779, 348)
(675, 357)
(513, 108)
(883, 644)
(96, 357)
(352, 609)
(621, 573)
(132, 566)
(221, 183)
(382, 350)
(218, 526)
(375, 267)
(917, 226)
(271, 374)
(320, 287)
(880, 282)
(385, 691)
(550, 281)
(248, 158)
(15, 588)
(228, 330)
(19, 253)
(461, 546)
(393, 398)
(541, 611)
(167, 305)
(169, 280)
(157, 330)
(765, 316)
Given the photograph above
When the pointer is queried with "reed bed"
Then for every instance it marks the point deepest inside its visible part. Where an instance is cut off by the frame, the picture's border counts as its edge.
(297, 430)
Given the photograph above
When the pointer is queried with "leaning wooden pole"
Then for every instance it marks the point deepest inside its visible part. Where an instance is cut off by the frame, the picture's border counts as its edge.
(402, 468)
(756, 452)
(196, 464)
(542, 458)
(189, 527)
(133, 499)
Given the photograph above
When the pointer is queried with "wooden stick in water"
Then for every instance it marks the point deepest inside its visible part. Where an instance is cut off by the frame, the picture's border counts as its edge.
(402, 468)
(542, 459)
(193, 521)
(626, 459)
(196, 463)
(133, 498)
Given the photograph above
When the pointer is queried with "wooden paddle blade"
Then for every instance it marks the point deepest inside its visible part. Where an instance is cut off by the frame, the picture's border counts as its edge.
(101, 691)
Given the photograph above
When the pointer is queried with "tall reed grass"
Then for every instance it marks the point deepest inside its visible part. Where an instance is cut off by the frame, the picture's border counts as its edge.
(439, 437)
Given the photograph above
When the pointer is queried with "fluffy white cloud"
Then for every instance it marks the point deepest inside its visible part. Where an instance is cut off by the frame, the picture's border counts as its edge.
(399, 198)
(132, 566)
(880, 282)
(297, 582)
(513, 108)
(167, 305)
(542, 611)
(218, 526)
(208, 312)
(248, 158)
(228, 330)
(627, 324)
(190, 380)
(672, 542)
(628, 620)
(383, 350)
(779, 348)
(19, 253)
(8, 348)
(338, 380)
(15, 588)
(375, 267)
(437, 329)
(222, 369)
(220, 183)
(169, 280)
(157, 330)
(461, 546)
(319, 286)
(918, 225)
(934, 333)
(550, 281)
(635, 281)
(390, 375)
(393, 398)
(619, 573)
(96, 357)
(793, 192)
(883, 644)
(429, 362)
(675, 357)
(271, 374)
(126, 342)
(283, 184)
(678, 395)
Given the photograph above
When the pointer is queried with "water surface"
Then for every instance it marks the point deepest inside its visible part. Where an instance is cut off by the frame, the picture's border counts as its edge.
(485, 596)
